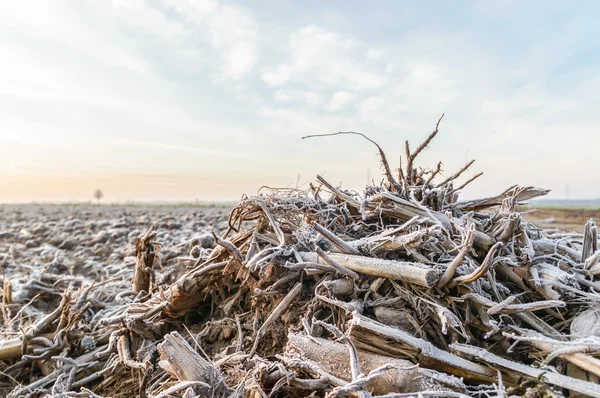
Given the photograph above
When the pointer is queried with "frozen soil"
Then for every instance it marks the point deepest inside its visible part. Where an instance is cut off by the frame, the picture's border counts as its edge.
(95, 243)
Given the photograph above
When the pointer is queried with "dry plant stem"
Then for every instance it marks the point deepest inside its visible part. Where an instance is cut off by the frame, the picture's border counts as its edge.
(481, 239)
(375, 333)
(337, 242)
(277, 312)
(339, 268)
(410, 157)
(496, 308)
(470, 180)
(480, 271)
(456, 175)
(569, 383)
(458, 260)
(539, 325)
(124, 350)
(311, 368)
(6, 300)
(396, 270)
(590, 240)
(181, 360)
(526, 193)
(38, 327)
(433, 174)
(352, 352)
(182, 386)
(436, 394)
(187, 290)
(274, 224)
(231, 248)
(345, 197)
(146, 249)
(548, 346)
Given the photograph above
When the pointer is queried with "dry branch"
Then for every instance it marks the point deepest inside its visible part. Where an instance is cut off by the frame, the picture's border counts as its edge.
(397, 270)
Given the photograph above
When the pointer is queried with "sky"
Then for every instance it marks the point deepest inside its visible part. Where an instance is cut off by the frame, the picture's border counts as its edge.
(182, 100)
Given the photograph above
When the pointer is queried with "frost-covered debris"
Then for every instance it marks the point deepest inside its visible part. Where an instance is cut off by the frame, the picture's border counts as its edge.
(403, 290)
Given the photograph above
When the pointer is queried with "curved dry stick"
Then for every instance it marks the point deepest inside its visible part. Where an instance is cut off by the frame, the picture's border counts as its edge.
(434, 173)
(353, 353)
(274, 224)
(386, 166)
(479, 272)
(351, 201)
(456, 175)
(335, 240)
(124, 350)
(231, 249)
(338, 267)
(470, 180)
(181, 386)
(466, 246)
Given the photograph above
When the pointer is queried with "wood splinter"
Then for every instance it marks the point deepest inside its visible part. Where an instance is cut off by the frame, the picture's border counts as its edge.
(146, 250)
(179, 359)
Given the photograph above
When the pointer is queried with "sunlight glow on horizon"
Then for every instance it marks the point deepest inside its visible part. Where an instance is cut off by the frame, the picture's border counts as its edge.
(208, 100)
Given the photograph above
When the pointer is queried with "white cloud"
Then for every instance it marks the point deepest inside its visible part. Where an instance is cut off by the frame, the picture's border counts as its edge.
(306, 97)
(374, 53)
(189, 26)
(316, 56)
(339, 100)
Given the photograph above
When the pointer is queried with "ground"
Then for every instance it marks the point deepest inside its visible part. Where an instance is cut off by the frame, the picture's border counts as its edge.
(563, 219)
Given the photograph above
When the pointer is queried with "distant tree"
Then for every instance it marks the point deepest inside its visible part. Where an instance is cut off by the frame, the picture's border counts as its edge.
(98, 195)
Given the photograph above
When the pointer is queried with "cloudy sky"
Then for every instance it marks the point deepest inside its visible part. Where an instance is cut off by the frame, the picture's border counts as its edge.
(200, 99)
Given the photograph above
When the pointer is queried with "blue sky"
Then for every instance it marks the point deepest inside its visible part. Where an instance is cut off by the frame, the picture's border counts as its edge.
(177, 100)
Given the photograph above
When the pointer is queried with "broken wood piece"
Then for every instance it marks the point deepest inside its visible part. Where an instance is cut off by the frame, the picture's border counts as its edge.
(415, 273)
(590, 241)
(146, 249)
(525, 193)
(389, 241)
(369, 333)
(334, 359)
(12, 348)
(179, 359)
(186, 292)
(556, 379)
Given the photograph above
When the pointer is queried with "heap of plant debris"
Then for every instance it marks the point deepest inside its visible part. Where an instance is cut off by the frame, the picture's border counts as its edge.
(402, 291)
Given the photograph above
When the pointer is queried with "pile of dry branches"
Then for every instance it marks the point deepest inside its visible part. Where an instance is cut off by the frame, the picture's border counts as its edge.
(324, 292)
